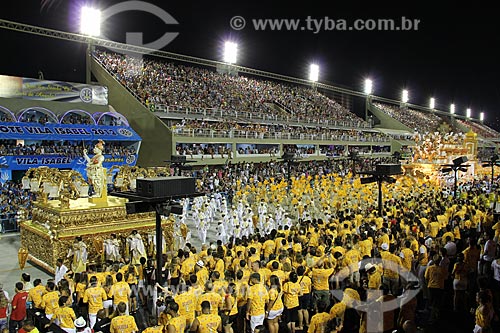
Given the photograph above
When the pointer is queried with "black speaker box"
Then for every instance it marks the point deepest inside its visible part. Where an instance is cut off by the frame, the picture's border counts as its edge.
(460, 160)
(165, 186)
(178, 158)
(388, 169)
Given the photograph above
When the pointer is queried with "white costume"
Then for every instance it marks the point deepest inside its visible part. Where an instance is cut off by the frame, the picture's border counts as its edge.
(95, 170)
(79, 253)
(136, 248)
(112, 249)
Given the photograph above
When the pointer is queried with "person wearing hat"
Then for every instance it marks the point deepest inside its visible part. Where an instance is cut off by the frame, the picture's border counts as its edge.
(374, 277)
(123, 323)
(81, 326)
(201, 272)
(391, 264)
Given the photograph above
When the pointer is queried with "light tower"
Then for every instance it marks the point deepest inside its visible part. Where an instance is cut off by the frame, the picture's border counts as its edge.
(90, 25)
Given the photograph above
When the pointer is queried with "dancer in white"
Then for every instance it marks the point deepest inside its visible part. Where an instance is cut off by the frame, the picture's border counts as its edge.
(136, 247)
(79, 253)
(112, 248)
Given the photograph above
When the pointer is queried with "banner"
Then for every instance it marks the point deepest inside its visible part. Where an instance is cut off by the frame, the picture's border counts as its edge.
(24, 162)
(44, 90)
(54, 132)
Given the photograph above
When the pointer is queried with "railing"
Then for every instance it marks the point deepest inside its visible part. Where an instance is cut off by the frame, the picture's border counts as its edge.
(242, 134)
(256, 116)
(221, 113)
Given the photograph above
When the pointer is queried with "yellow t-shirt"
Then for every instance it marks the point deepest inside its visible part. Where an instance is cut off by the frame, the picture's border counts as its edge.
(274, 296)
(269, 247)
(408, 258)
(291, 291)
(320, 278)
(120, 292)
(435, 276)
(178, 322)
(306, 284)
(123, 324)
(374, 280)
(187, 305)
(66, 317)
(209, 323)
(35, 295)
(50, 302)
(202, 276)
(215, 301)
(434, 228)
(318, 323)
(257, 297)
(154, 329)
(94, 296)
(337, 310)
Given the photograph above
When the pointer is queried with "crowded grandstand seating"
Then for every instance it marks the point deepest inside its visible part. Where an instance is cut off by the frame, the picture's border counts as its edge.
(232, 129)
(480, 129)
(166, 84)
(419, 121)
(66, 148)
(13, 200)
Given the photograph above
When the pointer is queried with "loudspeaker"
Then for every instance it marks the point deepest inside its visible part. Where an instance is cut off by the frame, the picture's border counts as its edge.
(288, 156)
(460, 160)
(178, 158)
(165, 186)
(388, 169)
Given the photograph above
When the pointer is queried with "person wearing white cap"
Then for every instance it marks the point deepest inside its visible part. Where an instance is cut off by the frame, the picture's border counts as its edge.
(81, 326)
(391, 264)
(374, 277)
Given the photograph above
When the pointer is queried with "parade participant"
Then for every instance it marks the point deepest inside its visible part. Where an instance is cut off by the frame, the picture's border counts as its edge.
(64, 316)
(136, 248)
(112, 248)
(123, 323)
(207, 322)
(94, 296)
(257, 298)
(78, 253)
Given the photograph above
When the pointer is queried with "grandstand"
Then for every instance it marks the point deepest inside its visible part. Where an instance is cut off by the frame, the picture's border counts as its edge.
(36, 132)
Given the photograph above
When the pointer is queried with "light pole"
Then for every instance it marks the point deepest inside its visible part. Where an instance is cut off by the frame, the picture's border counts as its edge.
(368, 90)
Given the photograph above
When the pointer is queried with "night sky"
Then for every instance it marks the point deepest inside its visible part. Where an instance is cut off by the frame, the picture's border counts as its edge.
(453, 56)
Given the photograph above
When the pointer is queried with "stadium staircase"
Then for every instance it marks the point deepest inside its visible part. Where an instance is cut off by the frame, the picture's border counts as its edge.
(156, 145)
(386, 121)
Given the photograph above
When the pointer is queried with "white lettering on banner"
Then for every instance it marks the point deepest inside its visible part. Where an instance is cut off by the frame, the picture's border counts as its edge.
(11, 129)
(37, 130)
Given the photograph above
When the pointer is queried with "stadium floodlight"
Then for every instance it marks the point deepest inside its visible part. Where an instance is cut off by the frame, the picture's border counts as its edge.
(468, 113)
(314, 72)
(90, 21)
(404, 96)
(432, 103)
(452, 108)
(368, 87)
(230, 52)
(481, 116)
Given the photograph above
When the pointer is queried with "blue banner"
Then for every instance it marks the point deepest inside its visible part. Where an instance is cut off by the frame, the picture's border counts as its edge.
(24, 162)
(54, 132)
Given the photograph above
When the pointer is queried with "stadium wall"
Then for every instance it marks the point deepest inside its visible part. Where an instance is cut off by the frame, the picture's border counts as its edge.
(386, 121)
(156, 146)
